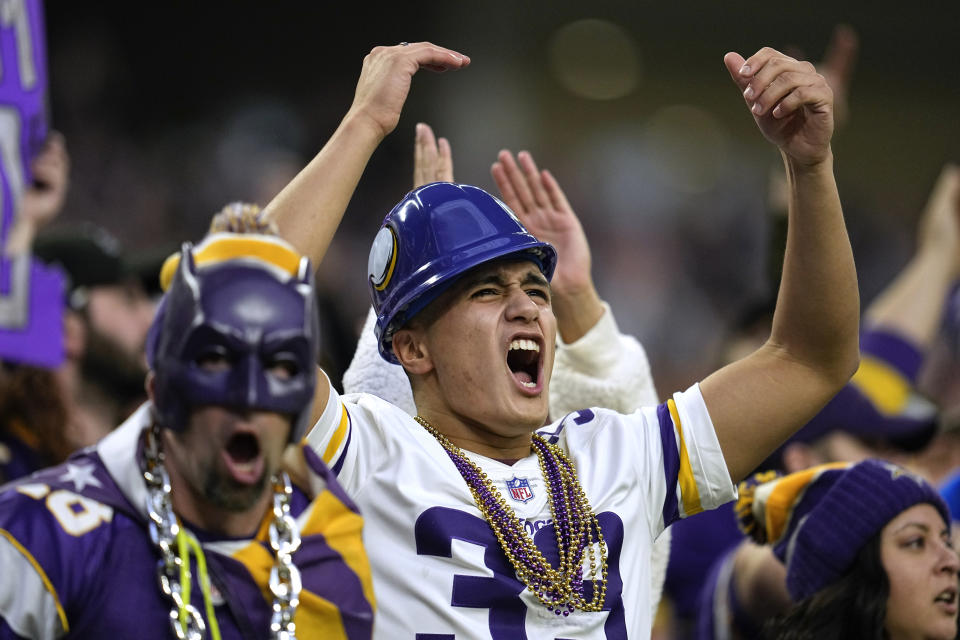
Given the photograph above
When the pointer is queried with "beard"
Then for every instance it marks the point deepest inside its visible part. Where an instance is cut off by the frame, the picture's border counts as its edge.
(113, 371)
(223, 492)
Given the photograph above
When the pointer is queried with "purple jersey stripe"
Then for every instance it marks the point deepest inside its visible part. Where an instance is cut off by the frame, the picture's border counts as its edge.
(554, 436)
(671, 464)
(343, 454)
(356, 612)
(893, 350)
(318, 467)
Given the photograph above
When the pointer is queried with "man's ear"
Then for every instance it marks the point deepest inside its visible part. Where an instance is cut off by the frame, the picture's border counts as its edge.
(150, 385)
(74, 335)
(411, 351)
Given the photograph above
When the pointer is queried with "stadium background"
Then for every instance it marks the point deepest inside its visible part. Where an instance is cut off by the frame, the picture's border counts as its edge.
(173, 109)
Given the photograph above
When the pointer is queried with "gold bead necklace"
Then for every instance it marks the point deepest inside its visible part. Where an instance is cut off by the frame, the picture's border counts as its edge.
(560, 589)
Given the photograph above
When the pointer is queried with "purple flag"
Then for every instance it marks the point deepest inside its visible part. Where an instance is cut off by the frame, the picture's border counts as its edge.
(31, 295)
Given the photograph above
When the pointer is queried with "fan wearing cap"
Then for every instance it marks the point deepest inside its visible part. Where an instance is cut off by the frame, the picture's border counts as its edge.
(183, 521)
(482, 522)
(866, 548)
(878, 414)
(105, 324)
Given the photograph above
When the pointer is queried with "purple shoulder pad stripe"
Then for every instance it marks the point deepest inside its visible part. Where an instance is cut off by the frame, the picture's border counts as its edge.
(325, 574)
(317, 466)
(671, 464)
(343, 455)
(553, 436)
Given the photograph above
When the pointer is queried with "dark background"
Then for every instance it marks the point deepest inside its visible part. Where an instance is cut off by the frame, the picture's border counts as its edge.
(173, 109)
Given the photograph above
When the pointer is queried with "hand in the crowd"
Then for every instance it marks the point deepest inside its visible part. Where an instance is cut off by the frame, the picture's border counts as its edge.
(386, 75)
(837, 68)
(791, 103)
(44, 197)
(940, 223)
(542, 207)
(432, 158)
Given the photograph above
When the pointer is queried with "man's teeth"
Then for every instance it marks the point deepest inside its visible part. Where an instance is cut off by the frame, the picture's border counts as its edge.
(529, 385)
(525, 345)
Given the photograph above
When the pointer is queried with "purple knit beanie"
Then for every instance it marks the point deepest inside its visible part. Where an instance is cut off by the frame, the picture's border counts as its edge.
(818, 519)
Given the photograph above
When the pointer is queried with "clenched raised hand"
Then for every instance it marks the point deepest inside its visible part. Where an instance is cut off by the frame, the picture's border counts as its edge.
(791, 103)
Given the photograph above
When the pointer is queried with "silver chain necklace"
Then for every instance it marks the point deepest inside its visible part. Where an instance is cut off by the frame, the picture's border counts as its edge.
(285, 582)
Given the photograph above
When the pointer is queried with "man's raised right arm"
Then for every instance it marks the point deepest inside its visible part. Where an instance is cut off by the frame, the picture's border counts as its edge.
(759, 401)
(309, 209)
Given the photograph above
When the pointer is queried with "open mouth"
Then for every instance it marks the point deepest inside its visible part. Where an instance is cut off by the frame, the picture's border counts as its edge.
(242, 455)
(523, 360)
(947, 600)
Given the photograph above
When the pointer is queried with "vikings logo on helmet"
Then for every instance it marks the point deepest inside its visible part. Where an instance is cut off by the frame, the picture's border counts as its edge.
(435, 234)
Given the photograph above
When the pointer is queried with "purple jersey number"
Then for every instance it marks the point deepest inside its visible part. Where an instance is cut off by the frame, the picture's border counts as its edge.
(438, 527)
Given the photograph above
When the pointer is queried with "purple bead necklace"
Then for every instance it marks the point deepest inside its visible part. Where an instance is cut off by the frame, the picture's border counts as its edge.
(560, 589)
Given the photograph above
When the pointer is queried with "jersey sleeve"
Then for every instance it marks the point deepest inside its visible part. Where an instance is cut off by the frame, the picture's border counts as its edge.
(604, 368)
(352, 436)
(51, 541)
(685, 464)
(30, 605)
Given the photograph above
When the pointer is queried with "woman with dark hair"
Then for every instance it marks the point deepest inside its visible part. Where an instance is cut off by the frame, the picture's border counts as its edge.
(867, 552)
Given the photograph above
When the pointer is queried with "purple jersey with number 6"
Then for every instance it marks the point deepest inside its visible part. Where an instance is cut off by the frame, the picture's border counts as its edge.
(75, 538)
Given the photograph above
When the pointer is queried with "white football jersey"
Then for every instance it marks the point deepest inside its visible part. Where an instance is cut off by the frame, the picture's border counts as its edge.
(439, 572)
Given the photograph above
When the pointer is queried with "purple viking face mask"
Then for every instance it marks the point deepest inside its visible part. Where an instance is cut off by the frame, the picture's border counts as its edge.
(260, 330)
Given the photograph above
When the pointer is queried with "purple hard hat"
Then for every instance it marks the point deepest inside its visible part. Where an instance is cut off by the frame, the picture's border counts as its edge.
(436, 233)
(245, 312)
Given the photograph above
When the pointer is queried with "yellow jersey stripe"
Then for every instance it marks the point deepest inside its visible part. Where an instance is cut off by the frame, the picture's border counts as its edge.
(685, 478)
(317, 617)
(317, 614)
(43, 577)
(338, 436)
(885, 387)
(341, 528)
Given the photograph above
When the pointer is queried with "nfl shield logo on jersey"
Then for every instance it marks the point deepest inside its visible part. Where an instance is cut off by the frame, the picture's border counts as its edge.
(519, 489)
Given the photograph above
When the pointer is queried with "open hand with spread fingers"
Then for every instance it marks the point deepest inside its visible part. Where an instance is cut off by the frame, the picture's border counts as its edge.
(537, 199)
(432, 158)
